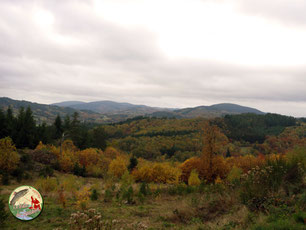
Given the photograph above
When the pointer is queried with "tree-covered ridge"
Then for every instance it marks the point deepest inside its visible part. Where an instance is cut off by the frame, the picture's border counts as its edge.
(47, 113)
(254, 128)
(180, 139)
(105, 112)
(157, 138)
(143, 126)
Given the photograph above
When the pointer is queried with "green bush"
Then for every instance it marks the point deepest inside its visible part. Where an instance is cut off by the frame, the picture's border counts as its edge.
(144, 189)
(48, 184)
(127, 195)
(181, 189)
(234, 175)
(282, 212)
(94, 195)
(300, 217)
(47, 171)
(133, 163)
(108, 196)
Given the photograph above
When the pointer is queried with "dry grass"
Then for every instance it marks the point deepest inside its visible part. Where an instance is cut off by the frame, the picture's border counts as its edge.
(195, 211)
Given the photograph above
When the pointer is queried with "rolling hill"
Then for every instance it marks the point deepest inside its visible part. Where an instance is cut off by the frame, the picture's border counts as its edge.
(47, 113)
(216, 110)
(68, 103)
(111, 108)
(111, 112)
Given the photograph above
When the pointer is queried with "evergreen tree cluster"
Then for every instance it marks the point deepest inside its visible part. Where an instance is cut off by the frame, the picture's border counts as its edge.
(254, 128)
(22, 128)
(25, 133)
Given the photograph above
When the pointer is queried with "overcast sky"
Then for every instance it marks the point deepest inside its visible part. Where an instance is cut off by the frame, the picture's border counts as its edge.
(166, 53)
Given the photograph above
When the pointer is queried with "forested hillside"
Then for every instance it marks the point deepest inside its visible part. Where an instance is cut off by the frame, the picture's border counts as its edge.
(195, 171)
(47, 113)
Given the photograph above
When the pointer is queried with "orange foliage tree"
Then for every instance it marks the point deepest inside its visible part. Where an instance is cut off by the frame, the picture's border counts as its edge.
(213, 141)
(211, 164)
(245, 162)
(90, 156)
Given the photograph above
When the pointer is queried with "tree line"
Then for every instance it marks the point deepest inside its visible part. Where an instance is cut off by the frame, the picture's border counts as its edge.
(25, 133)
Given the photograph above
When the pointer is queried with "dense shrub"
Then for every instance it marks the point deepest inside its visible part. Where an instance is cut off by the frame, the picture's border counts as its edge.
(158, 173)
(44, 154)
(79, 171)
(94, 195)
(82, 197)
(219, 168)
(234, 175)
(133, 163)
(18, 174)
(9, 157)
(144, 189)
(89, 219)
(260, 184)
(194, 178)
(48, 184)
(90, 156)
(46, 171)
(117, 167)
(245, 163)
(127, 194)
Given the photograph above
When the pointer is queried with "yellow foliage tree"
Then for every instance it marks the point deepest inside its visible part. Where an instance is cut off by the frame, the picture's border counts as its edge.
(193, 179)
(67, 161)
(158, 173)
(68, 145)
(83, 197)
(117, 167)
(9, 157)
(67, 156)
(40, 146)
(234, 174)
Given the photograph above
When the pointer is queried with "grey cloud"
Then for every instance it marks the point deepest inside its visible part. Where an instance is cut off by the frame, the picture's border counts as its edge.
(125, 64)
(290, 12)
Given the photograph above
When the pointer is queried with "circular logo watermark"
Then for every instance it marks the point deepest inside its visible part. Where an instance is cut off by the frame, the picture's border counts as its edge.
(25, 203)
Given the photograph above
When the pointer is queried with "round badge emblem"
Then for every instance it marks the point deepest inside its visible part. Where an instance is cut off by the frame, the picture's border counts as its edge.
(25, 203)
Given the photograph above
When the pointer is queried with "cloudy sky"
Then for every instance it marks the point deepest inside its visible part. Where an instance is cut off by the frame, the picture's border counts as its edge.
(166, 53)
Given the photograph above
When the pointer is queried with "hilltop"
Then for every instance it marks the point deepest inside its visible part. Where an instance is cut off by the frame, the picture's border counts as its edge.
(47, 113)
(112, 112)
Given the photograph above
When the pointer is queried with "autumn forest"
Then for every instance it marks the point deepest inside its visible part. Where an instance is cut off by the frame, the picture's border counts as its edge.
(197, 171)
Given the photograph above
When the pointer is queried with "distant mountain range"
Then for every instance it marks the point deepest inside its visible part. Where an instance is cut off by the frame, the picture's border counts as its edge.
(111, 107)
(47, 113)
(109, 111)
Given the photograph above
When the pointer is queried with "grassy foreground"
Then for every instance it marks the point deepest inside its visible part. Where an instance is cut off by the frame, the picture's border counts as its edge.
(72, 202)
